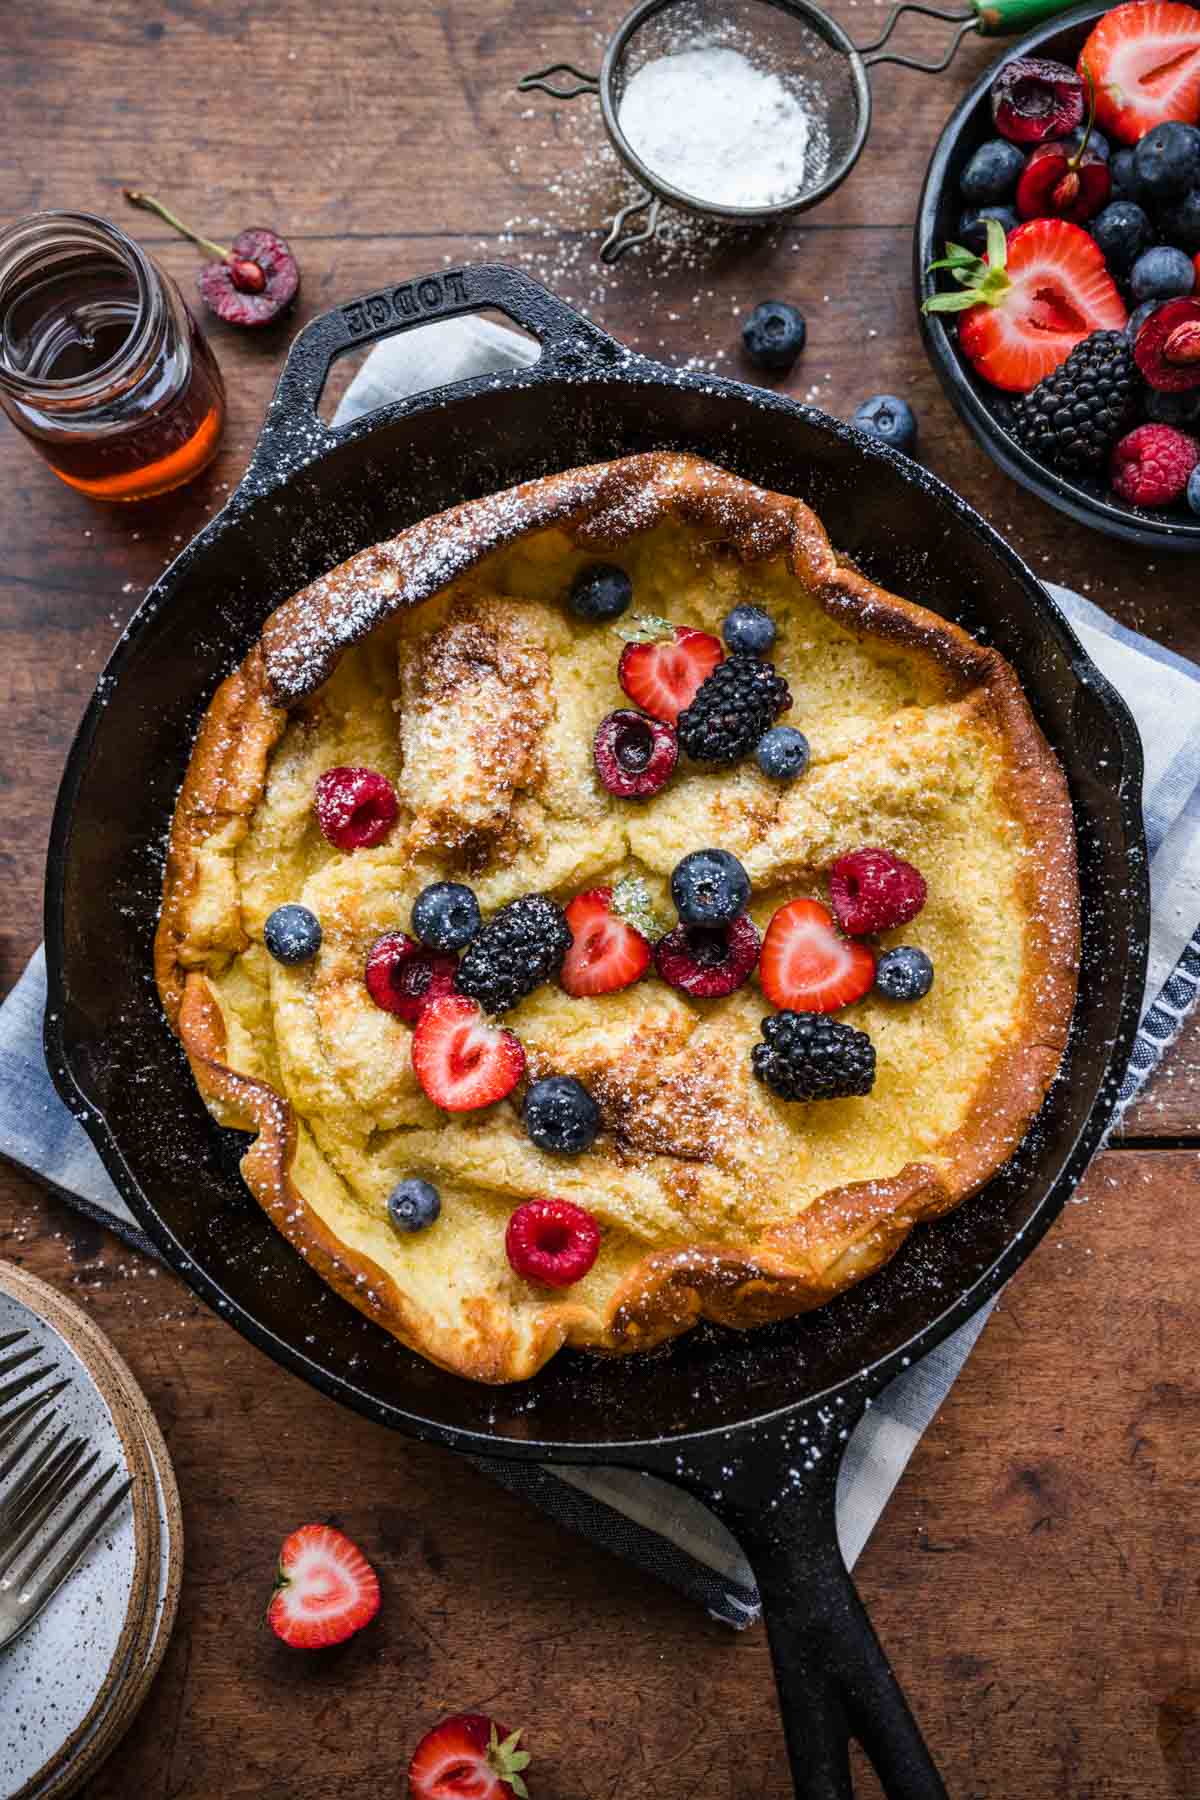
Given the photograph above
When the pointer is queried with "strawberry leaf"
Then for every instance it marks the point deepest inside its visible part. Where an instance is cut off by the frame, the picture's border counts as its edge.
(997, 245)
(646, 628)
(631, 903)
(508, 1761)
(950, 303)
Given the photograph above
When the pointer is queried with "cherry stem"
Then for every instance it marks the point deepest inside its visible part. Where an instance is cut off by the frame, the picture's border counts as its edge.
(149, 204)
(1091, 118)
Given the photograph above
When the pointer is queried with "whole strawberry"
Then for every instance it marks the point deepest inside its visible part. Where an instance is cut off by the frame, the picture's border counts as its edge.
(468, 1757)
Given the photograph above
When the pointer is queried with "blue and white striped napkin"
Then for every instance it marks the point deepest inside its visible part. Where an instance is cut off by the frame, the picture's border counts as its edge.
(659, 1528)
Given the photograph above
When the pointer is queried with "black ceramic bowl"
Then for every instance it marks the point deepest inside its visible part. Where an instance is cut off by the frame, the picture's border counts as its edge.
(1083, 497)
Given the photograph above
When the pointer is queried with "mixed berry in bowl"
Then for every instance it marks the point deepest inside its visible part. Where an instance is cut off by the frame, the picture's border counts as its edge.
(1065, 227)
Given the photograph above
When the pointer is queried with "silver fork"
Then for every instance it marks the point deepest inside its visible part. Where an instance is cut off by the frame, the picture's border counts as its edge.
(34, 1486)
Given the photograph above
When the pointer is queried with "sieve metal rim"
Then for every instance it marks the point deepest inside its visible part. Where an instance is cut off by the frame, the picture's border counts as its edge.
(817, 20)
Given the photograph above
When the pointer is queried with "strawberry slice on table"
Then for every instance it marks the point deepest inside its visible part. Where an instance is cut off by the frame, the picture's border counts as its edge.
(1145, 61)
(325, 1589)
(462, 1061)
(806, 966)
(609, 931)
(468, 1757)
(1028, 303)
(663, 666)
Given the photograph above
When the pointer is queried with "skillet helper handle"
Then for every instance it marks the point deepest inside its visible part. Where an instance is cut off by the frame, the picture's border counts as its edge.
(835, 1682)
(1004, 18)
(293, 432)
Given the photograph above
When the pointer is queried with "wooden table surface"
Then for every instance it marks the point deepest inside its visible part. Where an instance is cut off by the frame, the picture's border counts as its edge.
(1035, 1575)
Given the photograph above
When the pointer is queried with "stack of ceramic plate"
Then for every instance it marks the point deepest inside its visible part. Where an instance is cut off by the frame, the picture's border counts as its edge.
(71, 1684)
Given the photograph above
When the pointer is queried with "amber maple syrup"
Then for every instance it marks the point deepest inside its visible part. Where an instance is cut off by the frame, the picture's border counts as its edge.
(102, 366)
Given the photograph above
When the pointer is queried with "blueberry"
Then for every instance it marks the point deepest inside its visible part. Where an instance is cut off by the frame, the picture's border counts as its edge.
(782, 754)
(1167, 160)
(413, 1204)
(1162, 274)
(292, 934)
(750, 629)
(1123, 233)
(600, 591)
(904, 974)
(560, 1115)
(445, 916)
(1193, 489)
(1138, 317)
(1125, 183)
(1098, 144)
(992, 173)
(891, 420)
(1180, 410)
(972, 225)
(1180, 222)
(709, 887)
(774, 335)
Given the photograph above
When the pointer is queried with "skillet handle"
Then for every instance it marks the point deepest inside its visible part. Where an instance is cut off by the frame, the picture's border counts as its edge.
(835, 1682)
(292, 432)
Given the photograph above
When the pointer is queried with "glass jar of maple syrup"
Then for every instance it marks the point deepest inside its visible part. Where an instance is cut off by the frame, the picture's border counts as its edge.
(102, 366)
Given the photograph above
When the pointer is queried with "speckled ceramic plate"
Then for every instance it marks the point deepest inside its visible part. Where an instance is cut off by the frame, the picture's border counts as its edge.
(64, 1676)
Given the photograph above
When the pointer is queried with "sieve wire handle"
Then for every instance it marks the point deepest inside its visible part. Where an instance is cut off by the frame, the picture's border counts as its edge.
(991, 18)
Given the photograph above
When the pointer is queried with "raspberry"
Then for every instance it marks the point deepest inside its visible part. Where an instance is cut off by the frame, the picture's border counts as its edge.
(872, 890)
(403, 977)
(552, 1241)
(1151, 466)
(355, 807)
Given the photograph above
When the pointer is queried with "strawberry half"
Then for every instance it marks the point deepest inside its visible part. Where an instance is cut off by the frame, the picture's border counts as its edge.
(806, 967)
(608, 950)
(460, 1060)
(1028, 303)
(325, 1589)
(1145, 61)
(468, 1757)
(663, 666)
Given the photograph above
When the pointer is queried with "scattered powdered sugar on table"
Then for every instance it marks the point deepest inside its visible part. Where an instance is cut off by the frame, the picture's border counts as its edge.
(712, 124)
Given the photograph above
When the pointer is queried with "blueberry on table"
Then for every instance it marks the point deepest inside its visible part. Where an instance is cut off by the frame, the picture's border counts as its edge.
(292, 934)
(782, 753)
(774, 335)
(709, 887)
(992, 172)
(1163, 273)
(413, 1204)
(750, 630)
(561, 1116)
(600, 591)
(890, 419)
(1167, 160)
(972, 225)
(1123, 233)
(445, 916)
(904, 974)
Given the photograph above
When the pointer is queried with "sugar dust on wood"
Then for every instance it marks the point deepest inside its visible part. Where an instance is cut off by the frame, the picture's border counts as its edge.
(709, 122)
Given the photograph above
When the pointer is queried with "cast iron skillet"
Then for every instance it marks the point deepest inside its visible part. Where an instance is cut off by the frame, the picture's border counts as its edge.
(754, 1424)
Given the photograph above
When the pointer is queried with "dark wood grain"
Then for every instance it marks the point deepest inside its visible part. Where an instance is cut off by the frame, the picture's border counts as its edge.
(1034, 1575)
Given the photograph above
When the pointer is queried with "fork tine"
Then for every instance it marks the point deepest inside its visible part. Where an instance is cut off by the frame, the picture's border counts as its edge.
(12, 1337)
(40, 1592)
(19, 1359)
(23, 1383)
(36, 1595)
(11, 1422)
(64, 1484)
(43, 1468)
(30, 1438)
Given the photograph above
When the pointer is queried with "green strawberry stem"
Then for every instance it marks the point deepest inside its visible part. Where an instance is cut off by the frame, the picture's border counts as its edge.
(985, 280)
(646, 628)
(632, 904)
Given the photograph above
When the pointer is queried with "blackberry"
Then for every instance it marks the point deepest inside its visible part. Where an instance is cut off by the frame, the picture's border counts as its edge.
(809, 1056)
(1072, 417)
(514, 953)
(740, 700)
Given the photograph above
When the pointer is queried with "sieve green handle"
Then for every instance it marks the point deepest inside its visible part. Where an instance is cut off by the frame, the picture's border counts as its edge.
(1004, 18)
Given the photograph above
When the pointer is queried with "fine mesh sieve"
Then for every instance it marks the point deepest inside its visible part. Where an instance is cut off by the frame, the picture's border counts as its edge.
(822, 71)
